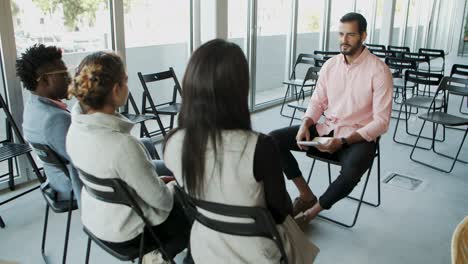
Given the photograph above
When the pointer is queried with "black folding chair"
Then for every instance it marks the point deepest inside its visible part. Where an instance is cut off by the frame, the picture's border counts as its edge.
(398, 49)
(382, 53)
(376, 47)
(419, 78)
(399, 66)
(440, 116)
(294, 82)
(138, 118)
(334, 160)
(119, 193)
(301, 103)
(10, 150)
(170, 108)
(49, 157)
(461, 71)
(434, 55)
(422, 61)
(325, 53)
(262, 225)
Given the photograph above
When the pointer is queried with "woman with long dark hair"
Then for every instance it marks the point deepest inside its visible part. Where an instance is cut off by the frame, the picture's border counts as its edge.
(217, 157)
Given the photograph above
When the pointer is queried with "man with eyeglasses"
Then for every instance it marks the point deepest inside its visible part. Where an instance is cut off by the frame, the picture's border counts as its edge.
(354, 94)
(46, 118)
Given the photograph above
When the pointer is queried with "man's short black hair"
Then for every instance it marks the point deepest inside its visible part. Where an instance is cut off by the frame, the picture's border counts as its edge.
(360, 19)
(33, 59)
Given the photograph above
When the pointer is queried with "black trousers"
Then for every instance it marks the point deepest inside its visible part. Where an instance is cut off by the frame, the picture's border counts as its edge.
(355, 160)
(174, 233)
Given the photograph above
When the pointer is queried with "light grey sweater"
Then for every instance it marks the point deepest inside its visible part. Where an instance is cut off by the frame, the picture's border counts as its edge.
(101, 145)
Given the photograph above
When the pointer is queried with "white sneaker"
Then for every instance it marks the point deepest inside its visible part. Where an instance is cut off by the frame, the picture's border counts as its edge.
(154, 257)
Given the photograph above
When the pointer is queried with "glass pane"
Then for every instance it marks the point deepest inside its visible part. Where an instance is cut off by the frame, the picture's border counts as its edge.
(425, 8)
(309, 24)
(272, 28)
(411, 24)
(378, 22)
(156, 38)
(464, 40)
(365, 8)
(338, 9)
(77, 27)
(398, 21)
(237, 22)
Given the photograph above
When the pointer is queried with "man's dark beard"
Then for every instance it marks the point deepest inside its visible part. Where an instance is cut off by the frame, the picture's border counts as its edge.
(352, 51)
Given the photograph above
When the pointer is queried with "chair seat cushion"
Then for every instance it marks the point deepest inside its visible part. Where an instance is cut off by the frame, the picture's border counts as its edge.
(11, 150)
(170, 109)
(422, 102)
(299, 105)
(138, 118)
(434, 68)
(444, 119)
(56, 206)
(400, 83)
(298, 82)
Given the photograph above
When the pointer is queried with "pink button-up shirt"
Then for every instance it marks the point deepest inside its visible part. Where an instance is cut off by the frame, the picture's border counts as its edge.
(353, 97)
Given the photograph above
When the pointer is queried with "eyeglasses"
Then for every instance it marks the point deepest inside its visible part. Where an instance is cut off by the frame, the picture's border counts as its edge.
(62, 72)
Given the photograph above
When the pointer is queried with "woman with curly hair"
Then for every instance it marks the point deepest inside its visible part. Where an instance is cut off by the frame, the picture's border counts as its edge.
(99, 142)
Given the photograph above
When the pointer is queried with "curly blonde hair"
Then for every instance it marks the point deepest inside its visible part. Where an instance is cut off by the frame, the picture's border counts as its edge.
(95, 77)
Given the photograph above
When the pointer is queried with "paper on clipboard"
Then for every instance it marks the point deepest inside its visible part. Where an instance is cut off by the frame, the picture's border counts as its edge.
(315, 142)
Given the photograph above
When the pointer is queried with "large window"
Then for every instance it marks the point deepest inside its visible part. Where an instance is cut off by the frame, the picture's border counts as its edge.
(366, 8)
(309, 25)
(156, 38)
(399, 22)
(237, 22)
(272, 28)
(338, 9)
(77, 27)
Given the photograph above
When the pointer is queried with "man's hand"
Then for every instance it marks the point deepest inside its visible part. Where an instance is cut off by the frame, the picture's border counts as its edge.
(332, 146)
(303, 134)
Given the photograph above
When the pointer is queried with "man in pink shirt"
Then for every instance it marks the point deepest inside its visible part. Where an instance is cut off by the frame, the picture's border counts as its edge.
(354, 93)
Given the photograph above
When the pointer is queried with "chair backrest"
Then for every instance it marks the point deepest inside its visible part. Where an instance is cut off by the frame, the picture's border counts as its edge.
(383, 53)
(155, 77)
(398, 48)
(51, 158)
(449, 84)
(423, 78)
(459, 70)
(433, 53)
(11, 125)
(399, 65)
(376, 47)
(303, 58)
(262, 225)
(117, 192)
(326, 53)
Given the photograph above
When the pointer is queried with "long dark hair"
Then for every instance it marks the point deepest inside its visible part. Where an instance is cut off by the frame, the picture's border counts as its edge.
(214, 98)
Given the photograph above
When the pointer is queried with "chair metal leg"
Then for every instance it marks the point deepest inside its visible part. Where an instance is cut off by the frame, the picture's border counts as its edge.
(292, 117)
(88, 250)
(2, 224)
(356, 214)
(461, 105)
(359, 200)
(67, 232)
(11, 175)
(44, 233)
(396, 130)
(142, 244)
(310, 172)
(455, 159)
(284, 101)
